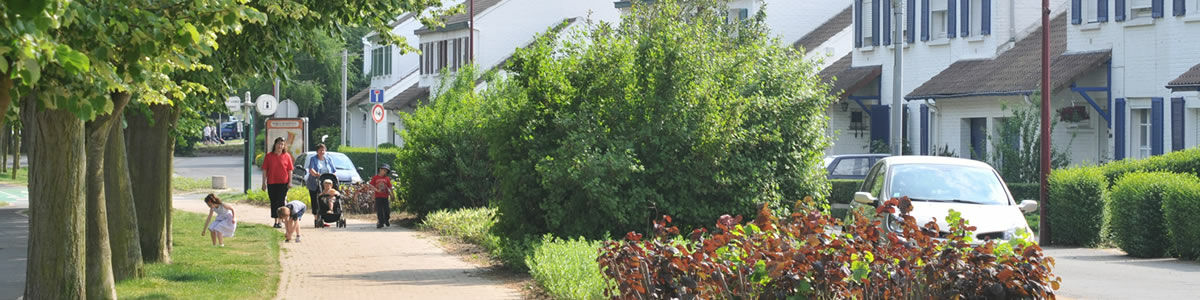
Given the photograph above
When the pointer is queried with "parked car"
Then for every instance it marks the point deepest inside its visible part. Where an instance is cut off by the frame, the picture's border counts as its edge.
(346, 172)
(230, 131)
(850, 166)
(938, 184)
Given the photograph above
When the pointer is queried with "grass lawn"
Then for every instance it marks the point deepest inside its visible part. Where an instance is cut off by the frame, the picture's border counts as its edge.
(246, 268)
(188, 184)
(22, 177)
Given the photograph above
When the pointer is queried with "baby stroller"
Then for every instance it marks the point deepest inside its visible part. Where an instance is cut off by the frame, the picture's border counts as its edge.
(320, 208)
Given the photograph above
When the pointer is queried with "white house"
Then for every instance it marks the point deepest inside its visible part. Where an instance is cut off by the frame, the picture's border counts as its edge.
(500, 27)
(935, 35)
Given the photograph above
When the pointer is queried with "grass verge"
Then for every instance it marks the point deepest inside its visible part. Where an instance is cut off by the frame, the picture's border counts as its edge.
(22, 177)
(567, 269)
(246, 268)
(188, 184)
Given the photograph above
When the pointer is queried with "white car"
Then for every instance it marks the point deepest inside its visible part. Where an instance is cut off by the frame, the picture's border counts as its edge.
(938, 184)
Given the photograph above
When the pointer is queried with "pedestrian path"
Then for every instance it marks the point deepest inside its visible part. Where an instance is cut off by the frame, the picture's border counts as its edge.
(362, 262)
(14, 195)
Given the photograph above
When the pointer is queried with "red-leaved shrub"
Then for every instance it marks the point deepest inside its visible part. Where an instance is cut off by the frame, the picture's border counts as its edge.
(806, 255)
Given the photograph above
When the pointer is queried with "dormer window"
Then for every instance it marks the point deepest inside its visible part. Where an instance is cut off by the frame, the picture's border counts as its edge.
(449, 54)
(381, 61)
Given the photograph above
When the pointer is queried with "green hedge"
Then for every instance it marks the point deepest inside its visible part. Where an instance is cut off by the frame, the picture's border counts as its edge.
(1025, 191)
(842, 190)
(1077, 210)
(1135, 210)
(1180, 208)
(364, 158)
(1183, 161)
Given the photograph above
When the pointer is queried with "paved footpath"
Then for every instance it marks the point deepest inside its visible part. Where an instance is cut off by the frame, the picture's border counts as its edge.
(361, 262)
(1109, 274)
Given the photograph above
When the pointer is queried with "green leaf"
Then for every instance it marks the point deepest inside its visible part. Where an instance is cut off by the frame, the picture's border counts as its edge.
(71, 60)
(3, 64)
(189, 30)
(26, 8)
(31, 72)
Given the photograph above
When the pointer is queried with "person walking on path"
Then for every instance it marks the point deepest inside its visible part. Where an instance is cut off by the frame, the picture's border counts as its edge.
(290, 215)
(382, 185)
(277, 176)
(224, 225)
(317, 165)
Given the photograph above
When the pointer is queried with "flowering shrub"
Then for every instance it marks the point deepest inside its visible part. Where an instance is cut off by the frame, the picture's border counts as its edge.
(806, 255)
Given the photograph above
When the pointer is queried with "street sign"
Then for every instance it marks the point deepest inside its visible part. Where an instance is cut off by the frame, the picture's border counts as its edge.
(267, 104)
(377, 113)
(377, 96)
(234, 104)
(287, 109)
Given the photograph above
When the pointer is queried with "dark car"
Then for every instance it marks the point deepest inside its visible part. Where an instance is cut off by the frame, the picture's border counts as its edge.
(229, 131)
(851, 166)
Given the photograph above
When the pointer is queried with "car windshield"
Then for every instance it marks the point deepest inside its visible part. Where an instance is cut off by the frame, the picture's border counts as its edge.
(340, 161)
(947, 183)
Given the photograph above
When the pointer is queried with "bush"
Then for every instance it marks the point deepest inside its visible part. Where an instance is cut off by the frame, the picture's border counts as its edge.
(1025, 191)
(842, 190)
(364, 158)
(445, 162)
(567, 269)
(332, 143)
(1076, 210)
(258, 197)
(795, 257)
(1183, 161)
(471, 225)
(1180, 208)
(1135, 211)
(673, 111)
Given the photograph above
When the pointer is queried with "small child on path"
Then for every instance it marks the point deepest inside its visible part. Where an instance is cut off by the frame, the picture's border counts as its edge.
(224, 225)
(289, 214)
(382, 185)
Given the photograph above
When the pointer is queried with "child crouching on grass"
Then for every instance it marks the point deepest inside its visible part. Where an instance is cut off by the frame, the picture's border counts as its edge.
(289, 214)
(224, 225)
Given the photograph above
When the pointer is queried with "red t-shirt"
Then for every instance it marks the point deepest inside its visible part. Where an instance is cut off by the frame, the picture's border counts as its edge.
(278, 167)
(387, 186)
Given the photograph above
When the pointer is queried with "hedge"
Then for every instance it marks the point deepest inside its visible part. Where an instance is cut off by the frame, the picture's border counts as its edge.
(1180, 208)
(842, 190)
(1077, 213)
(1135, 210)
(364, 158)
(1025, 191)
(1183, 161)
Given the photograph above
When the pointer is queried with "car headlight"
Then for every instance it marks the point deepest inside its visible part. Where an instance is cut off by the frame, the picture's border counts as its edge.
(894, 224)
(1010, 234)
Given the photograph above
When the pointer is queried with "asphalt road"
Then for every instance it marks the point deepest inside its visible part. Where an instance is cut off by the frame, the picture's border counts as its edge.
(1110, 274)
(14, 240)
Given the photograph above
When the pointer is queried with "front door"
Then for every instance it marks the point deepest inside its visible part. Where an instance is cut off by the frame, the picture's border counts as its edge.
(978, 138)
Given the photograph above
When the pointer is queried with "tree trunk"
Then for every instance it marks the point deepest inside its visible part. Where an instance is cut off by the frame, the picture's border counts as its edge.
(122, 221)
(150, 141)
(100, 283)
(6, 85)
(5, 135)
(55, 265)
(16, 150)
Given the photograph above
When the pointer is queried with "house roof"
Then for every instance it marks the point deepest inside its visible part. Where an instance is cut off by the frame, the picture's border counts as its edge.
(1189, 80)
(1016, 71)
(845, 78)
(823, 33)
(409, 96)
(358, 98)
(459, 21)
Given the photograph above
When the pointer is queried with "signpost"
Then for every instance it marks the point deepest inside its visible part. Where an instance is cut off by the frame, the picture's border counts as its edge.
(265, 105)
(377, 96)
(377, 116)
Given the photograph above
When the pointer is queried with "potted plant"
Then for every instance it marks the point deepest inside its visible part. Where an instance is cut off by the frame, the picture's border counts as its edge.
(1073, 114)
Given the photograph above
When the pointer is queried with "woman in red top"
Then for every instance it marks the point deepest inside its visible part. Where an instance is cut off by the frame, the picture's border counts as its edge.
(277, 176)
(382, 185)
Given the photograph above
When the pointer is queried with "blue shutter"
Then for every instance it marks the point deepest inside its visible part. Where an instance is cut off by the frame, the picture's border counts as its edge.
(887, 22)
(1157, 8)
(1179, 8)
(1156, 126)
(879, 123)
(875, 23)
(986, 27)
(1119, 10)
(1119, 129)
(911, 16)
(951, 21)
(924, 20)
(1101, 10)
(924, 129)
(858, 23)
(1076, 12)
(743, 14)
(1177, 124)
(966, 18)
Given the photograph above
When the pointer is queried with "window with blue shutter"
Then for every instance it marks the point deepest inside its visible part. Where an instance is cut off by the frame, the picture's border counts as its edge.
(966, 18)
(910, 33)
(887, 22)
(1119, 129)
(1101, 10)
(1180, 8)
(924, 129)
(858, 23)
(1156, 126)
(1177, 124)
(875, 23)
(986, 27)
(1076, 12)
(951, 30)
(1156, 8)
(879, 123)
(924, 20)
(743, 14)
(1119, 10)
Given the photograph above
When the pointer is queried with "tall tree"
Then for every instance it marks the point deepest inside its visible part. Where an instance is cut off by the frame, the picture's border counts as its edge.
(122, 222)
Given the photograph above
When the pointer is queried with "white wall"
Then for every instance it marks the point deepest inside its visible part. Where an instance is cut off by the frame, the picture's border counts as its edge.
(790, 20)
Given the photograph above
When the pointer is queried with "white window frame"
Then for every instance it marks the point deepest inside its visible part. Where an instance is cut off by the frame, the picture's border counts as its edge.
(977, 17)
(938, 16)
(1143, 129)
(1139, 9)
(868, 23)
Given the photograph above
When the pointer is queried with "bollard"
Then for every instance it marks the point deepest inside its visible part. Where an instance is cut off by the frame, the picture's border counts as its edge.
(218, 182)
